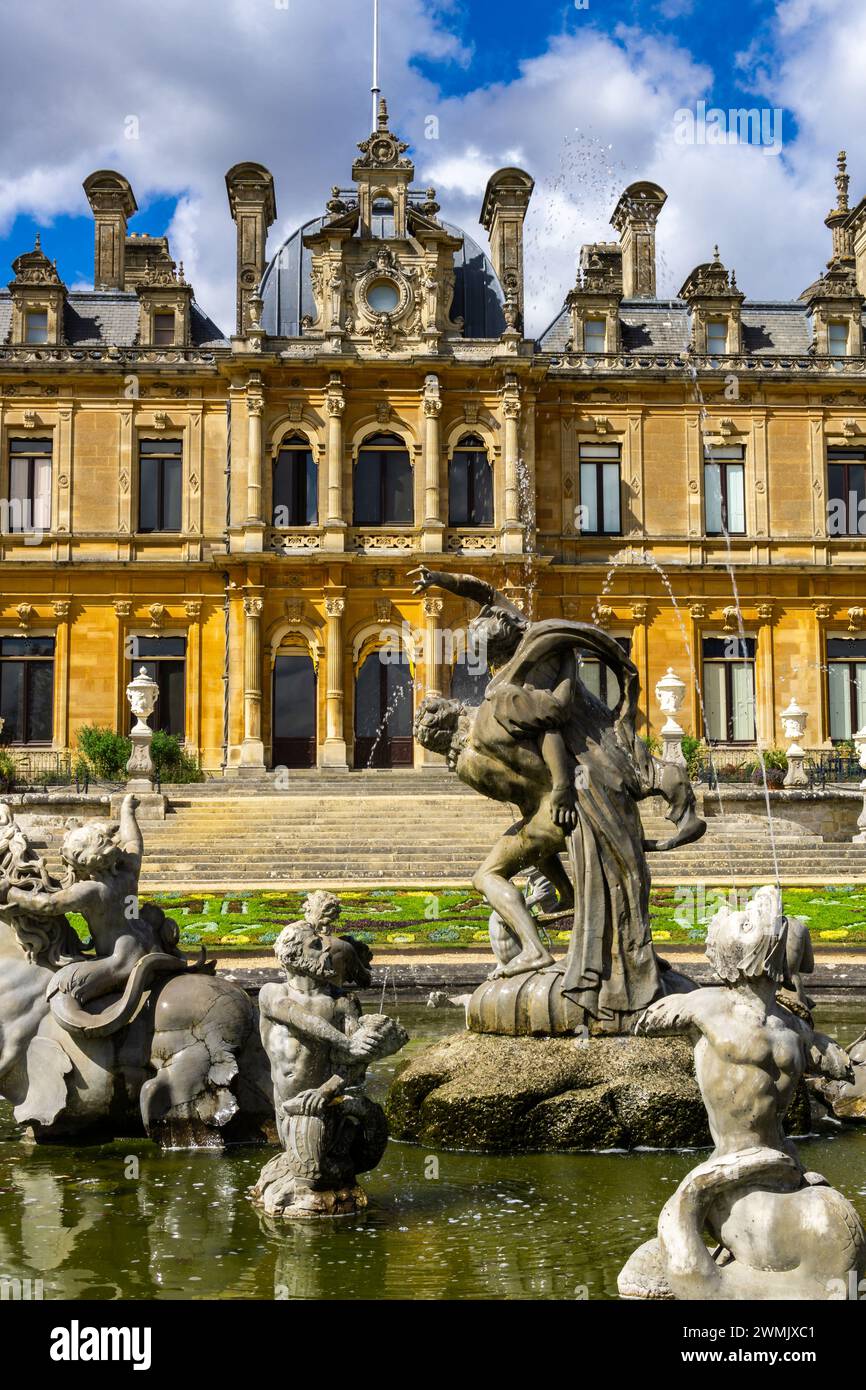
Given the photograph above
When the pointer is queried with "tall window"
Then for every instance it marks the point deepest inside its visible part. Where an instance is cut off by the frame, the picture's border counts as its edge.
(294, 493)
(594, 335)
(600, 489)
(382, 216)
(29, 485)
(36, 326)
(164, 660)
(725, 490)
(470, 484)
(846, 492)
(163, 330)
(600, 679)
(383, 483)
(160, 484)
(729, 689)
(837, 339)
(717, 337)
(27, 689)
(846, 667)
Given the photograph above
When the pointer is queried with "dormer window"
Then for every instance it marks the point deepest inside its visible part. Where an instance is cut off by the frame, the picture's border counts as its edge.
(837, 339)
(36, 326)
(594, 335)
(163, 330)
(382, 216)
(717, 337)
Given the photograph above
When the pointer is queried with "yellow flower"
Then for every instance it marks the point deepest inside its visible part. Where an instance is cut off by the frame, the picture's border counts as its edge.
(661, 936)
(837, 934)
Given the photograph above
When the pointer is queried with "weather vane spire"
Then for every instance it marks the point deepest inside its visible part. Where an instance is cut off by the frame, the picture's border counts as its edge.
(375, 89)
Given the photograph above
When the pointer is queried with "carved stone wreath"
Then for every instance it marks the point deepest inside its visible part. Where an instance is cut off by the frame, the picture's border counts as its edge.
(382, 328)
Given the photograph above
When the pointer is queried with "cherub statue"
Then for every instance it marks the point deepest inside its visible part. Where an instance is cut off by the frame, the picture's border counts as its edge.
(320, 1044)
(576, 770)
(104, 863)
(777, 1230)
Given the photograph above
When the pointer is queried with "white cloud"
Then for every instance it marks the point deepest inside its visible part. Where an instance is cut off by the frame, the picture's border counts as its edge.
(212, 82)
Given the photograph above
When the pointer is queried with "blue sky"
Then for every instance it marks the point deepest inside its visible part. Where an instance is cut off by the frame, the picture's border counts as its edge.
(584, 98)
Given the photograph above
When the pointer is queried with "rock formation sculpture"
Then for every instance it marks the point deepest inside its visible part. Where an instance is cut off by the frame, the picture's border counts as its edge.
(777, 1231)
(320, 1045)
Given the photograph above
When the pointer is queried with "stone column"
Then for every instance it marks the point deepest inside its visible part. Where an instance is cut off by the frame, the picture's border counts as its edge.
(334, 750)
(512, 530)
(431, 607)
(335, 523)
(254, 526)
(431, 538)
(60, 608)
(252, 760)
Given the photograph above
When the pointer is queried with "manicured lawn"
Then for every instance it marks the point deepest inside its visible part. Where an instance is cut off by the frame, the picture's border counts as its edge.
(406, 919)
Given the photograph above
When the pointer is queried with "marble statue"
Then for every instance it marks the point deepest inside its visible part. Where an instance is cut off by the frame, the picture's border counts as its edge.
(777, 1231)
(122, 1033)
(577, 771)
(320, 1045)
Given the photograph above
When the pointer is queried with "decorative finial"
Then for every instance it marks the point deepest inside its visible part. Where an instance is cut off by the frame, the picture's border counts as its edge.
(382, 121)
(715, 253)
(842, 181)
(37, 245)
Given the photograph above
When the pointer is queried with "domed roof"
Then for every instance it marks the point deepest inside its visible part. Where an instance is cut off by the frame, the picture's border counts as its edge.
(287, 291)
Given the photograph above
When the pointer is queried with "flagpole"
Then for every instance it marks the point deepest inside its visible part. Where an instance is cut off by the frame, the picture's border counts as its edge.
(375, 87)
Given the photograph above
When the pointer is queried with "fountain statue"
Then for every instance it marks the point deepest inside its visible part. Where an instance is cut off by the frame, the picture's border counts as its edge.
(320, 1045)
(122, 1033)
(778, 1231)
(577, 772)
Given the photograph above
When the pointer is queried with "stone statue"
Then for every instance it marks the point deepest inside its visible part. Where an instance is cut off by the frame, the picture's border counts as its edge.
(577, 771)
(778, 1232)
(122, 1033)
(320, 1045)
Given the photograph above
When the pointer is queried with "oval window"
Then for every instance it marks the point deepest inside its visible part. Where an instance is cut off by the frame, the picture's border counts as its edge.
(383, 297)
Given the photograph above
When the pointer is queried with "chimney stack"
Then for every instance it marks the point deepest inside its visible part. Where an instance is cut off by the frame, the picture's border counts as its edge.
(634, 217)
(253, 208)
(503, 213)
(113, 202)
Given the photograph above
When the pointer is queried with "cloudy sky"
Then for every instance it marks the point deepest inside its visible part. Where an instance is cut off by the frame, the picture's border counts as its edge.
(583, 95)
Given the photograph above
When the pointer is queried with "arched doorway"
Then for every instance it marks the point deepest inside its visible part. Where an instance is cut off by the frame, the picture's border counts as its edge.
(383, 712)
(293, 722)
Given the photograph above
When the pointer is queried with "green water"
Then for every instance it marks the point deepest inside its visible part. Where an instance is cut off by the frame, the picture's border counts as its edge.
(88, 1225)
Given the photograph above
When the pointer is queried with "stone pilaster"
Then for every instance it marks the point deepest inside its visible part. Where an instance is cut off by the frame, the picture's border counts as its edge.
(512, 530)
(335, 523)
(431, 538)
(252, 760)
(254, 526)
(334, 750)
(432, 609)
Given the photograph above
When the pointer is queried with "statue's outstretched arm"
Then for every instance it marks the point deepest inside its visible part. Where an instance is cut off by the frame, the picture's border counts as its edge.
(464, 585)
(130, 832)
(307, 1025)
(77, 898)
(676, 1013)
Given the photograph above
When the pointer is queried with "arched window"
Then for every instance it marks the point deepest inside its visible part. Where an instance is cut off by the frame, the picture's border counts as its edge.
(470, 484)
(382, 216)
(294, 492)
(383, 482)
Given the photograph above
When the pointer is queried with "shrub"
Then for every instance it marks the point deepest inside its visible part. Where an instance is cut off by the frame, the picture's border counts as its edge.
(105, 752)
(171, 761)
(8, 771)
(775, 778)
(694, 752)
(652, 744)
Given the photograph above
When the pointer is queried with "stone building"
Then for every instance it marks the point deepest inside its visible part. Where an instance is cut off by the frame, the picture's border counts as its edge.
(242, 514)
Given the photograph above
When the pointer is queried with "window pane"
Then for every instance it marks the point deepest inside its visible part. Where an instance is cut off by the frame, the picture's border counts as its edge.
(159, 646)
(482, 479)
(399, 696)
(717, 337)
(736, 498)
(588, 497)
(590, 674)
(368, 712)
(20, 501)
(610, 484)
(40, 702)
(840, 700)
(171, 494)
(860, 695)
(713, 497)
(398, 489)
(311, 512)
(743, 697)
(36, 326)
(12, 700)
(294, 697)
(715, 701)
(367, 489)
(838, 339)
(282, 488)
(458, 490)
(594, 335)
(148, 512)
(171, 704)
(42, 494)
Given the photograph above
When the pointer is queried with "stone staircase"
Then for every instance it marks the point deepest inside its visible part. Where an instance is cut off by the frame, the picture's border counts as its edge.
(424, 828)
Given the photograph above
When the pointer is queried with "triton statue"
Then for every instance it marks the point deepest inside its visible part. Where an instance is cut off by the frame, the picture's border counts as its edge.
(778, 1232)
(576, 770)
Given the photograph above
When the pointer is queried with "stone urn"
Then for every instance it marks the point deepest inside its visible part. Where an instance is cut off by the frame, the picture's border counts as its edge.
(141, 694)
(794, 721)
(670, 694)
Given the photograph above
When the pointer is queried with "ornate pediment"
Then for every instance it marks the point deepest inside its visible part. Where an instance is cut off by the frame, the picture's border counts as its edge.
(34, 268)
(383, 149)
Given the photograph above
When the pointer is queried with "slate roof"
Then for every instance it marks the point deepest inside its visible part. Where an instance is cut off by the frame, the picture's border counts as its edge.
(770, 328)
(109, 318)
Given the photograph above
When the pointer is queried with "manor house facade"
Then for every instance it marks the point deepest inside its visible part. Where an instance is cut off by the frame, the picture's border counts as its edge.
(242, 514)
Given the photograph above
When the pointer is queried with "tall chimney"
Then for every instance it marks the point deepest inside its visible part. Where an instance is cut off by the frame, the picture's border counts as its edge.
(113, 202)
(253, 208)
(634, 217)
(503, 213)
